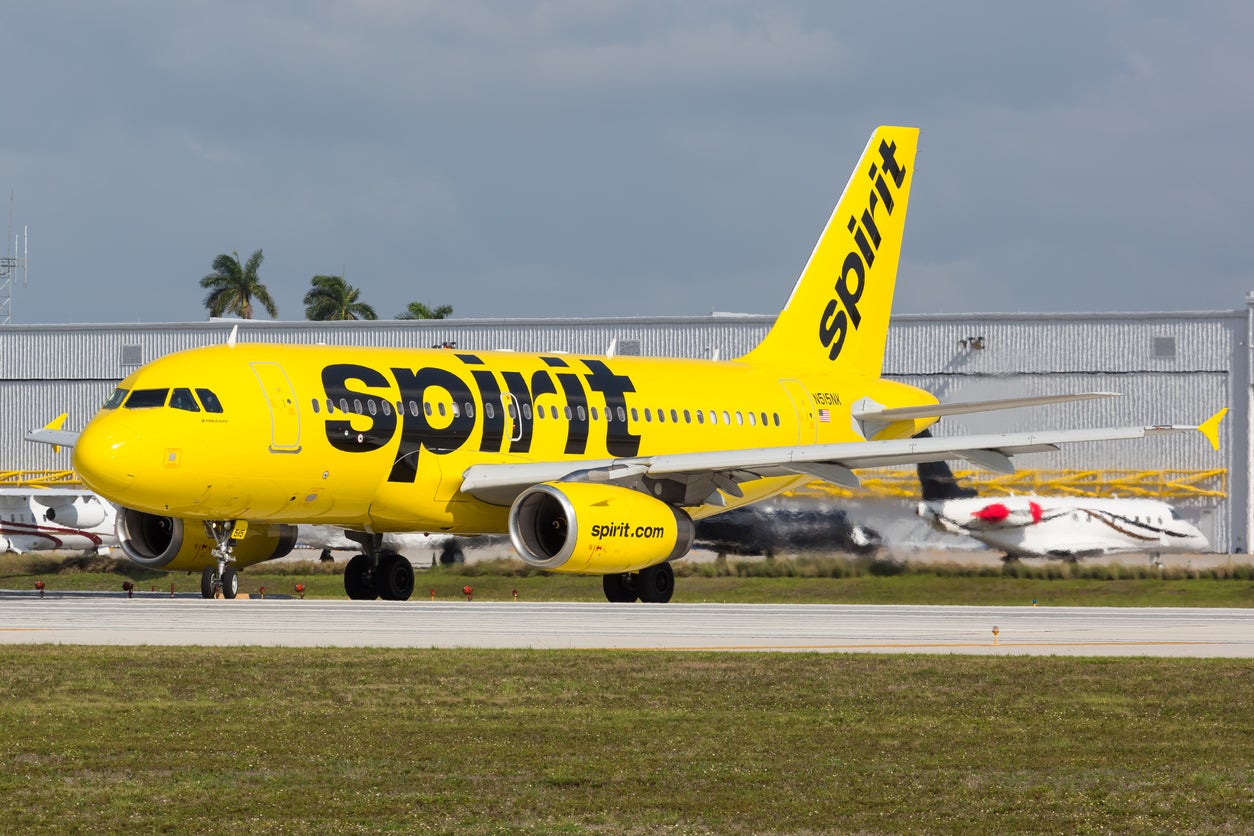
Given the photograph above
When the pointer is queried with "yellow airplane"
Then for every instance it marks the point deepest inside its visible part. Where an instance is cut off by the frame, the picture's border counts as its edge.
(593, 465)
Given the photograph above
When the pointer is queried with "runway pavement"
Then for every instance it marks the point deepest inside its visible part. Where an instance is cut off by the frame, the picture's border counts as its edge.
(1084, 631)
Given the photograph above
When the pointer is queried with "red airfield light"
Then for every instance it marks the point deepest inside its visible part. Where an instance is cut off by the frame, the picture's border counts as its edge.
(300, 590)
(433, 593)
(469, 592)
(128, 588)
(39, 585)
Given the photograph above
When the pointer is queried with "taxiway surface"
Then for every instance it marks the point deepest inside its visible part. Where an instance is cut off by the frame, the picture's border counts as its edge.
(1089, 631)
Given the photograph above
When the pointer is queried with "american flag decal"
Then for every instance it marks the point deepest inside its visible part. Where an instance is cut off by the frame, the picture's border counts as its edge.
(825, 415)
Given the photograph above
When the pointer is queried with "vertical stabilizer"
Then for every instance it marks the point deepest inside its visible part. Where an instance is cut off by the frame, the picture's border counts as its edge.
(837, 315)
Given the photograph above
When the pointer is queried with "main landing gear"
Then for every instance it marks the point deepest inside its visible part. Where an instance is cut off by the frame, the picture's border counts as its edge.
(223, 577)
(375, 573)
(654, 585)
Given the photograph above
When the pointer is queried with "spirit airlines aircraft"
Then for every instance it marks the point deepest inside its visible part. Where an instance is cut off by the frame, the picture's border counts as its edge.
(593, 465)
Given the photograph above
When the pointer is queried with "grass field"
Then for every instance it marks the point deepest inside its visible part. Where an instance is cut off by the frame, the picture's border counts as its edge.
(795, 580)
(280, 740)
(198, 740)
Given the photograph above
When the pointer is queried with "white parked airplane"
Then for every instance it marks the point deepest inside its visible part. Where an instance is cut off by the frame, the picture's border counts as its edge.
(55, 519)
(1069, 527)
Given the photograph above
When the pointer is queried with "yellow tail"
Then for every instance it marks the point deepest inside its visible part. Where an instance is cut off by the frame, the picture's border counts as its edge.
(838, 312)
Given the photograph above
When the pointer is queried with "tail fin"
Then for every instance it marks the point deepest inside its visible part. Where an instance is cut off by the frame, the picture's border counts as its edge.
(839, 307)
(937, 481)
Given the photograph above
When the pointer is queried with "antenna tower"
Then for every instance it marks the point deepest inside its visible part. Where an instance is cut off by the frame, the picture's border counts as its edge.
(9, 265)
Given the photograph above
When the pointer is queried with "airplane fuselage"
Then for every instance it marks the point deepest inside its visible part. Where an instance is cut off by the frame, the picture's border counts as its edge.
(382, 437)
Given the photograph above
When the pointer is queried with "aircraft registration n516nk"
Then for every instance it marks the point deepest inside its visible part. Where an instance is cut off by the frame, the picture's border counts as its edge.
(593, 465)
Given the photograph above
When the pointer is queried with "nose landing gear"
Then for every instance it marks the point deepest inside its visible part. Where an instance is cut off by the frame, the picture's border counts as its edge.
(223, 577)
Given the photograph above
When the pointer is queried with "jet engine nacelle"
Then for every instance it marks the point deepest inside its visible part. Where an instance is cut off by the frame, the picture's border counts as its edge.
(596, 529)
(171, 543)
(88, 512)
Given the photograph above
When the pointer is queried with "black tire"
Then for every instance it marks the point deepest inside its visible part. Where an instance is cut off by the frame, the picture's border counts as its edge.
(619, 588)
(207, 582)
(358, 580)
(230, 582)
(394, 578)
(656, 584)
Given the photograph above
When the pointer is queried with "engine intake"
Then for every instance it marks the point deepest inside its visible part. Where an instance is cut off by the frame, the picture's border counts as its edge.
(596, 529)
(171, 543)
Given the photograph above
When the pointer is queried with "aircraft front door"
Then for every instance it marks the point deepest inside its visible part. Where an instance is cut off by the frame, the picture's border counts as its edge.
(284, 416)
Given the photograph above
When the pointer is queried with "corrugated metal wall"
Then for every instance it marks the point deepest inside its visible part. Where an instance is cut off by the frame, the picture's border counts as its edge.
(1169, 367)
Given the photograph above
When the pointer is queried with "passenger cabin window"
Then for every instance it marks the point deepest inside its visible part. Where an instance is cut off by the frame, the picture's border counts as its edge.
(182, 399)
(147, 398)
(115, 399)
(209, 400)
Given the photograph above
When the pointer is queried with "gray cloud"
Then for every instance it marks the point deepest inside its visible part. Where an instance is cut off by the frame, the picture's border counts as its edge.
(573, 158)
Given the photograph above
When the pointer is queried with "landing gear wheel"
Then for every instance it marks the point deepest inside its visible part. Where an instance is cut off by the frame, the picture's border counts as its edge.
(358, 582)
(230, 582)
(656, 584)
(208, 581)
(619, 589)
(394, 578)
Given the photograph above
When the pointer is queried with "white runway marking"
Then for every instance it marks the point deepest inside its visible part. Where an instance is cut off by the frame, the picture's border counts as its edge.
(1089, 631)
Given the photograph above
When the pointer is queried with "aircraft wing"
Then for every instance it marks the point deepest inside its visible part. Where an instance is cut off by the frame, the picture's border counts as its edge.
(702, 474)
(53, 434)
(57, 438)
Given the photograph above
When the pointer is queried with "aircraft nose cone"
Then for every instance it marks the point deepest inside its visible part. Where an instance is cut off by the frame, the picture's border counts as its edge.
(100, 461)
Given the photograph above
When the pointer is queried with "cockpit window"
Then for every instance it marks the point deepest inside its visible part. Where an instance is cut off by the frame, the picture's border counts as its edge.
(182, 399)
(147, 398)
(210, 400)
(115, 399)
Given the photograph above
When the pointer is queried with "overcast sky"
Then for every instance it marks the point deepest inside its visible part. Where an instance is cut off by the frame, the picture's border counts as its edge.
(622, 158)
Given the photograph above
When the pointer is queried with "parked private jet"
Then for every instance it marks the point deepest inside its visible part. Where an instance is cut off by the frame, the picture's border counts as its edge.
(1056, 526)
(55, 519)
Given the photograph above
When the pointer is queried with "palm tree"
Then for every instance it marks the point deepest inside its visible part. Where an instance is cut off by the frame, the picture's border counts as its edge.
(333, 298)
(418, 310)
(232, 287)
